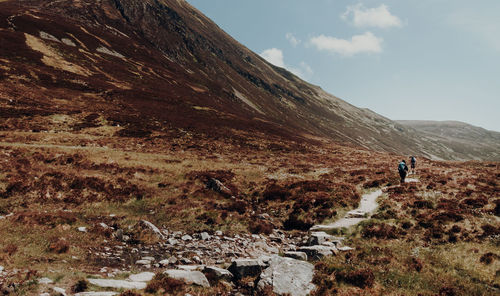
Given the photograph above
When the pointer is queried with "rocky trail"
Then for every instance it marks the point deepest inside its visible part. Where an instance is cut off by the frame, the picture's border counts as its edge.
(279, 260)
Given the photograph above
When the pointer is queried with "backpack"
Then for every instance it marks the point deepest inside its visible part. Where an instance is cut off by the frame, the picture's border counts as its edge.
(401, 167)
(413, 160)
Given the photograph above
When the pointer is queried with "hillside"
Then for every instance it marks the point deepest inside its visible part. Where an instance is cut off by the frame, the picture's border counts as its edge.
(149, 66)
(464, 141)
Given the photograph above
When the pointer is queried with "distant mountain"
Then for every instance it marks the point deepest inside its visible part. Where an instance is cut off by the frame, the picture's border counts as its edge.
(157, 65)
(463, 140)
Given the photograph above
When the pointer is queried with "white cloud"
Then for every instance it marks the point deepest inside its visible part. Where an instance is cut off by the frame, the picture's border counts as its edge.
(379, 17)
(366, 43)
(275, 56)
(292, 39)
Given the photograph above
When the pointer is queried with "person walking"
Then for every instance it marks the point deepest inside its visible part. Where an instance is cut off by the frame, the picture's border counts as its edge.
(403, 169)
(413, 161)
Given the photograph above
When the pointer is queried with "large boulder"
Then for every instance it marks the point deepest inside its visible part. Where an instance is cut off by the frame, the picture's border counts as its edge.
(241, 268)
(189, 277)
(288, 276)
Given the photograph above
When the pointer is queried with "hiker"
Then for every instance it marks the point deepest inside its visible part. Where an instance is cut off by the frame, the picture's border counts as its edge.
(413, 161)
(403, 169)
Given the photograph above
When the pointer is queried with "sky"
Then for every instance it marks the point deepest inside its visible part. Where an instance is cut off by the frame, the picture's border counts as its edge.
(404, 59)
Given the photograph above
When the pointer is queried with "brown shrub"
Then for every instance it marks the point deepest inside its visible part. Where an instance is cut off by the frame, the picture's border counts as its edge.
(360, 278)
(475, 202)
(257, 226)
(416, 264)
(10, 249)
(445, 216)
(165, 284)
(42, 218)
(274, 191)
(447, 291)
(490, 230)
(423, 204)
(79, 286)
(381, 230)
(295, 222)
(130, 293)
(60, 246)
(488, 258)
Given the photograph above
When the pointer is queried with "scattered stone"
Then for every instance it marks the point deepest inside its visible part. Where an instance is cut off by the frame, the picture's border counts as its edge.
(189, 277)
(191, 267)
(318, 252)
(186, 237)
(164, 262)
(205, 236)
(345, 249)
(318, 238)
(68, 42)
(218, 273)
(288, 276)
(44, 281)
(143, 262)
(148, 258)
(1, 268)
(142, 277)
(59, 290)
(219, 233)
(172, 241)
(118, 284)
(96, 294)
(296, 255)
(172, 260)
(186, 261)
(241, 268)
(82, 229)
(218, 186)
(153, 228)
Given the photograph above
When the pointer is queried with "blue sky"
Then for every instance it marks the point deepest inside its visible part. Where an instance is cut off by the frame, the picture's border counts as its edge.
(411, 59)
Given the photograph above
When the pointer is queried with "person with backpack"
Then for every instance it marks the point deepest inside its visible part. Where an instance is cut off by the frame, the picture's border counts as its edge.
(403, 169)
(413, 161)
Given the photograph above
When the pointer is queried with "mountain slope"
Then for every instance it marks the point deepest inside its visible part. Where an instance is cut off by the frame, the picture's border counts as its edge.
(464, 140)
(151, 66)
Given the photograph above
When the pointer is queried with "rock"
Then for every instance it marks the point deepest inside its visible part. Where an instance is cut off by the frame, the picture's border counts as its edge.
(218, 233)
(191, 267)
(153, 228)
(345, 249)
(44, 294)
(1, 268)
(45, 281)
(186, 237)
(218, 186)
(318, 238)
(149, 258)
(59, 290)
(205, 236)
(218, 273)
(186, 261)
(143, 262)
(189, 277)
(96, 294)
(296, 255)
(141, 277)
(164, 262)
(118, 234)
(241, 268)
(172, 260)
(288, 276)
(82, 229)
(318, 252)
(172, 241)
(118, 284)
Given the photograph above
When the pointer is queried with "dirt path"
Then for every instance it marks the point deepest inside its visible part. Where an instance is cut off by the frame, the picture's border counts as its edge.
(367, 206)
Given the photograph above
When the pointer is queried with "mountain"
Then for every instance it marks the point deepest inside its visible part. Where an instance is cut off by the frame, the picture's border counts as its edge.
(464, 141)
(150, 66)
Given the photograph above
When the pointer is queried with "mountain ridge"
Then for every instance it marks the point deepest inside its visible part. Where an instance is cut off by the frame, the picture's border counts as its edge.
(168, 65)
